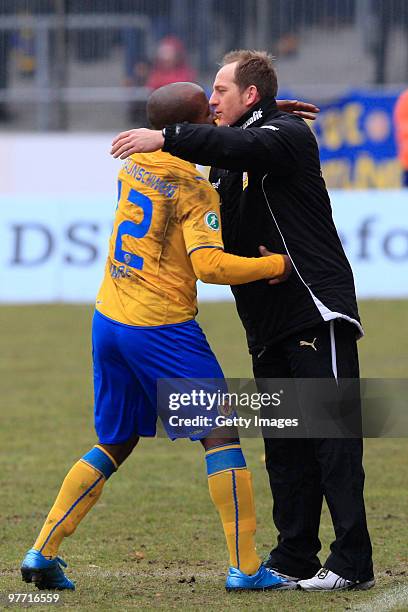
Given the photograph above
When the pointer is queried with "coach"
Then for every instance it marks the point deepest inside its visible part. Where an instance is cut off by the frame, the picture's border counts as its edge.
(266, 169)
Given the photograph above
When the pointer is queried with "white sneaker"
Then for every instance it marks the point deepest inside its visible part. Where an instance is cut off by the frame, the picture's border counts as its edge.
(326, 580)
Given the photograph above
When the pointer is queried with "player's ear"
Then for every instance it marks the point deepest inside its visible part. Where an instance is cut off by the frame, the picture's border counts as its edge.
(251, 95)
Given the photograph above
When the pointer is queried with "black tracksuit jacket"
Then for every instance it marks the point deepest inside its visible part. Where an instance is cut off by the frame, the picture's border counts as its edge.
(266, 169)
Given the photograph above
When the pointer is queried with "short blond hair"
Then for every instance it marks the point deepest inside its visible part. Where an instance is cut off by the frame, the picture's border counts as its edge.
(254, 68)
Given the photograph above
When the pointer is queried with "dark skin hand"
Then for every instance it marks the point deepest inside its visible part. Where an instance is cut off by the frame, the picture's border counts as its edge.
(303, 109)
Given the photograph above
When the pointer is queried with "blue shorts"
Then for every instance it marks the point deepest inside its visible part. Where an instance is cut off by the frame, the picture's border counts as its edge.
(127, 362)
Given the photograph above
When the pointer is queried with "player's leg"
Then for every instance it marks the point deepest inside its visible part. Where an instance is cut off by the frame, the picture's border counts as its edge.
(80, 490)
(230, 483)
(181, 354)
(294, 477)
(349, 564)
(120, 452)
(83, 485)
(231, 490)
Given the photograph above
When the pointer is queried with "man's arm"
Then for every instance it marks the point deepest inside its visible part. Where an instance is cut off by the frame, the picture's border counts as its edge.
(271, 147)
(145, 141)
(214, 266)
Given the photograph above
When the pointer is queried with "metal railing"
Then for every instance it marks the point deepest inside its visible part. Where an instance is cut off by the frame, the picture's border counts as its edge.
(50, 92)
(367, 47)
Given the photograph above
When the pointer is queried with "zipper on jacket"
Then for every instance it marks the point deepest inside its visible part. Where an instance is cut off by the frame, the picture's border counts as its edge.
(262, 352)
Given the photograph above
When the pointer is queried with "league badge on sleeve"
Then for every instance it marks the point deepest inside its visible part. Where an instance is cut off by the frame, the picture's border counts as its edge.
(212, 221)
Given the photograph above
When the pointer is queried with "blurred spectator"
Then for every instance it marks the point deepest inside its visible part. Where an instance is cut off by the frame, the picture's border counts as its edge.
(401, 131)
(136, 57)
(5, 44)
(388, 14)
(135, 39)
(170, 64)
(333, 13)
(4, 63)
(26, 39)
(286, 18)
(25, 52)
(383, 19)
(193, 23)
(92, 44)
(235, 13)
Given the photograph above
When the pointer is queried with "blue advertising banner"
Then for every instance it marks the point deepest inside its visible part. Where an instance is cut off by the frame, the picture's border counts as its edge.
(357, 143)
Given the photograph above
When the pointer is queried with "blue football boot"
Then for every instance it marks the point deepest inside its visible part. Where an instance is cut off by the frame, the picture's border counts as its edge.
(45, 573)
(265, 579)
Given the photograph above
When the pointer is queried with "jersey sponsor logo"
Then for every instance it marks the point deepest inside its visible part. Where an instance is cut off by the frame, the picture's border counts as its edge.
(212, 221)
(305, 343)
(270, 127)
(254, 117)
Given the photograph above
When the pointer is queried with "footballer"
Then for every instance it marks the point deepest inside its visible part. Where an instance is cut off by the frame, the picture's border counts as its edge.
(166, 234)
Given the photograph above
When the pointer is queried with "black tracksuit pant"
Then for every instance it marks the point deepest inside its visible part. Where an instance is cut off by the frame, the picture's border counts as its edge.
(303, 471)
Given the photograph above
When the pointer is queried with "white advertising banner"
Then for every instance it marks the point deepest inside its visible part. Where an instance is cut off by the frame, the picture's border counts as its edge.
(57, 201)
(373, 227)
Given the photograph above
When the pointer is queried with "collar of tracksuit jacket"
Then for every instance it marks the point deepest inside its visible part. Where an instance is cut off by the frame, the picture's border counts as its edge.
(256, 115)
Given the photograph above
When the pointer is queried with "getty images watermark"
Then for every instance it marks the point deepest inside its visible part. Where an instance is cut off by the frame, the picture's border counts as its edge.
(282, 408)
(226, 404)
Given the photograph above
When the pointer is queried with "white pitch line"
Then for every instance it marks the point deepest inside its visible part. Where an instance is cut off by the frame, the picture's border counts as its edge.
(388, 600)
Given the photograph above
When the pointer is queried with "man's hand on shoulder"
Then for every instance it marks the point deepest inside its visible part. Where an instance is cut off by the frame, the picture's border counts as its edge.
(287, 270)
(303, 109)
(141, 140)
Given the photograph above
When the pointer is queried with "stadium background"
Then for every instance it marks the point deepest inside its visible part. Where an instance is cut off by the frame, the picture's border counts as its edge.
(72, 74)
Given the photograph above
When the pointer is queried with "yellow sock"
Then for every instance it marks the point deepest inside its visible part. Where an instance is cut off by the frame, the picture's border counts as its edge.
(79, 492)
(231, 491)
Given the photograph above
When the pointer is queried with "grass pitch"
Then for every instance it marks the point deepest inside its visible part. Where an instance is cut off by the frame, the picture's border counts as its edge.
(154, 540)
